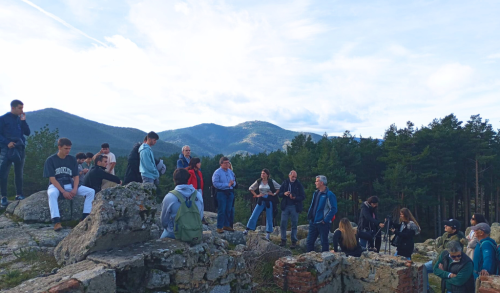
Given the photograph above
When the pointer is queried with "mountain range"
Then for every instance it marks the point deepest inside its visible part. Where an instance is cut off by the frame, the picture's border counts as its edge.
(205, 139)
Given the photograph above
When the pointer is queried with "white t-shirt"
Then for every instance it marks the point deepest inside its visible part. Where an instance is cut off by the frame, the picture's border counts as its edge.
(111, 159)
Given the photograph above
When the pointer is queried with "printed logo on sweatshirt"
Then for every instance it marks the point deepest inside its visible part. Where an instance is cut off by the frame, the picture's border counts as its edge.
(64, 170)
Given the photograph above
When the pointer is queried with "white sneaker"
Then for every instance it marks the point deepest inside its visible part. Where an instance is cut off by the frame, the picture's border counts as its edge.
(245, 232)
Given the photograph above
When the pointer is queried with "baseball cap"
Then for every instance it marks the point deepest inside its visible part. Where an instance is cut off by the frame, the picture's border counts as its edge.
(482, 227)
(455, 224)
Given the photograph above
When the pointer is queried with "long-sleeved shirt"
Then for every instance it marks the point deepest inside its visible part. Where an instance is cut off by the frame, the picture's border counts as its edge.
(94, 177)
(485, 257)
(147, 165)
(461, 277)
(171, 204)
(11, 126)
(221, 179)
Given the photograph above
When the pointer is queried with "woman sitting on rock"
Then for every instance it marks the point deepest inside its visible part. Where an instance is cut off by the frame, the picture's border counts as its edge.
(346, 237)
(471, 237)
(405, 232)
(265, 190)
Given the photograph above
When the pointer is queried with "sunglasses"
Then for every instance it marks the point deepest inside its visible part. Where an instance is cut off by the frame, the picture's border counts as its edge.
(456, 256)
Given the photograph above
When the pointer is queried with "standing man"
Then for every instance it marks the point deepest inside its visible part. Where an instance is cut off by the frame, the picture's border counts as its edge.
(110, 168)
(369, 224)
(184, 158)
(13, 128)
(320, 215)
(62, 171)
(97, 178)
(147, 166)
(292, 194)
(485, 253)
(224, 181)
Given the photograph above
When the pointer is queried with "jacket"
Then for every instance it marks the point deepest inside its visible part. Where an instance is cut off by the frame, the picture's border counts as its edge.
(356, 251)
(405, 243)
(367, 222)
(171, 204)
(132, 174)
(463, 282)
(147, 165)
(182, 162)
(95, 175)
(326, 208)
(485, 257)
(297, 192)
(193, 181)
(443, 241)
(11, 127)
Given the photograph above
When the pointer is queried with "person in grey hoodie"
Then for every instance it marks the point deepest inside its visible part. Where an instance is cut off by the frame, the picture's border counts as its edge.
(171, 204)
(147, 166)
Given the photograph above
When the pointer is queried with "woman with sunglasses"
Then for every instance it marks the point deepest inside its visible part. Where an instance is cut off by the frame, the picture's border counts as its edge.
(476, 219)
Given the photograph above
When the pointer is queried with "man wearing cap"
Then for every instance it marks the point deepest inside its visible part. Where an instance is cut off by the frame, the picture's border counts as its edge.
(485, 254)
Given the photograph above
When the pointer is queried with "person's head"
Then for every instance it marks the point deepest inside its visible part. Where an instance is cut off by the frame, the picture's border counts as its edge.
(373, 201)
(186, 151)
(88, 157)
(406, 216)
(264, 174)
(181, 176)
(64, 146)
(101, 161)
(481, 230)
(231, 166)
(105, 148)
(292, 176)
(455, 250)
(224, 163)
(348, 233)
(451, 226)
(195, 164)
(16, 107)
(151, 138)
(321, 182)
(477, 218)
(80, 157)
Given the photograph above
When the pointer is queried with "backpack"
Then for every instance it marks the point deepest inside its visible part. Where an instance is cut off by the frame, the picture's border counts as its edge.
(187, 224)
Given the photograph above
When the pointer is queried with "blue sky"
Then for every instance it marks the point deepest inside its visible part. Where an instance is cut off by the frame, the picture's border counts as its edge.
(320, 66)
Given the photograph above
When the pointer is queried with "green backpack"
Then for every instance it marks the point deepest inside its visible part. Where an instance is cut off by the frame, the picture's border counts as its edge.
(187, 225)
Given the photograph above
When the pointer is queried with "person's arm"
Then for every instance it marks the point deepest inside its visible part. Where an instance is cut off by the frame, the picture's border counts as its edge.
(97, 154)
(282, 190)
(111, 167)
(333, 210)
(24, 125)
(489, 258)
(336, 237)
(368, 217)
(200, 198)
(254, 187)
(3, 139)
(166, 209)
(302, 194)
(277, 187)
(217, 181)
(146, 162)
(56, 184)
(179, 164)
(462, 277)
(439, 272)
(406, 233)
(110, 177)
(76, 181)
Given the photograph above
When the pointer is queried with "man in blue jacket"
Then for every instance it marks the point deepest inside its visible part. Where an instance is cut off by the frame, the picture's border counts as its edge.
(147, 166)
(184, 158)
(485, 254)
(13, 128)
(320, 215)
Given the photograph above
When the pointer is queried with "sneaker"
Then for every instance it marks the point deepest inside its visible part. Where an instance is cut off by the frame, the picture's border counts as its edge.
(228, 229)
(283, 243)
(219, 230)
(57, 227)
(19, 197)
(294, 245)
(245, 232)
(268, 236)
(5, 202)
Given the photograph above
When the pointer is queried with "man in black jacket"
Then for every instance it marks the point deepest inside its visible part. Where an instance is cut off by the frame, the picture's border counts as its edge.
(292, 194)
(132, 174)
(98, 173)
(368, 223)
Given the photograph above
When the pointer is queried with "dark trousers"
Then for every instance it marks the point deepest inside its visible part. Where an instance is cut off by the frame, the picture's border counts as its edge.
(5, 165)
(316, 230)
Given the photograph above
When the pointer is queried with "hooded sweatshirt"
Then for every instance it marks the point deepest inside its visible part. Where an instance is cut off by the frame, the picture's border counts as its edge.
(171, 204)
(147, 166)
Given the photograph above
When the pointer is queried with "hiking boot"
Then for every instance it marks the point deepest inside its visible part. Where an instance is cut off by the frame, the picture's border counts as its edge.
(245, 232)
(283, 243)
(19, 197)
(268, 236)
(5, 202)
(57, 227)
(228, 229)
(219, 230)
(294, 245)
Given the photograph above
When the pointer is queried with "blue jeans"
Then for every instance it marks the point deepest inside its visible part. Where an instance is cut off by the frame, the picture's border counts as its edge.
(156, 181)
(316, 230)
(430, 269)
(225, 208)
(5, 169)
(290, 211)
(252, 222)
(167, 234)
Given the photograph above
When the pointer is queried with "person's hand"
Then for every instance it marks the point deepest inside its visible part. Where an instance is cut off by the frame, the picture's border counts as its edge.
(292, 197)
(270, 193)
(441, 266)
(381, 225)
(484, 273)
(452, 276)
(392, 230)
(74, 192)
(11, 144)
(85, 171)
(67, 195)
(121, 182)
(287, 193)
(23, 116)
(230, 183)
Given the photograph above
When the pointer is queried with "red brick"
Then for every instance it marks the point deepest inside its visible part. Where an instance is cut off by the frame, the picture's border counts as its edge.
(488, 290)
(69, 286)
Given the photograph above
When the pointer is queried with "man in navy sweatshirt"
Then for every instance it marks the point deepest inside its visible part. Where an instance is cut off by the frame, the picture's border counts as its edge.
(13, 128)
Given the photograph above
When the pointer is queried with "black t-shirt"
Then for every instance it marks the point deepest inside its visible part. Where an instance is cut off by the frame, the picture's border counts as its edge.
(62, 169)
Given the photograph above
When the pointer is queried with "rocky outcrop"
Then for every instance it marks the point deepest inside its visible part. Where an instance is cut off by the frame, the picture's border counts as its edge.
(488, 284)
(263, 249)
(120, 216)
(35, 208)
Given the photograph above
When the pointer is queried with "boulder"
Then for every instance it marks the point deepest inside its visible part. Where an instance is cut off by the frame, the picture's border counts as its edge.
(120, 216)
(35, 208)
(263, 249)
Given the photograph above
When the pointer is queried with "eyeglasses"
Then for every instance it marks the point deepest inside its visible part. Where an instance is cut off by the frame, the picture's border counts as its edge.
(456, 256)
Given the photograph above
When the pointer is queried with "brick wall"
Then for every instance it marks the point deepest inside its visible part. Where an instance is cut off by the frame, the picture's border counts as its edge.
(490, 284)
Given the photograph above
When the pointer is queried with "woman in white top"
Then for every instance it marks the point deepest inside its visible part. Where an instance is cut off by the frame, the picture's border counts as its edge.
(476, 219)
(265, 189)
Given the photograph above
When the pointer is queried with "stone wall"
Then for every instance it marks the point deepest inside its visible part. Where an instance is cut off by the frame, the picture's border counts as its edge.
(329, 272)
(490, 284)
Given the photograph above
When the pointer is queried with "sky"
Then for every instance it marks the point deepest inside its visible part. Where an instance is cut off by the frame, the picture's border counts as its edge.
(318, 66)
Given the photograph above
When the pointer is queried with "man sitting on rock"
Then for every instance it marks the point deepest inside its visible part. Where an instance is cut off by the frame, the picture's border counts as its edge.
(62, 171)
(485, 254)
(172, 203)
(97, 178)
(455, 269)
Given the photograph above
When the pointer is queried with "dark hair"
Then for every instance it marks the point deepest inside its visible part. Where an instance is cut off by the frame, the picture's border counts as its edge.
(372, 199)
(89, 155)
(153, 135)
(80, 156)
(64, 141)
(16, 103)
(99, 158)
(480, 218)
(181, 176)
(267, 172)
(223, 159)
(193, 162)
(105, 145)
(145, 138)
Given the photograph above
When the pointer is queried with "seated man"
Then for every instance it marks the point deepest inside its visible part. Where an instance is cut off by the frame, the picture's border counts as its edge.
(62, 171)
(97, 178)
(80, 159)
(172, 202)
(455, 269)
